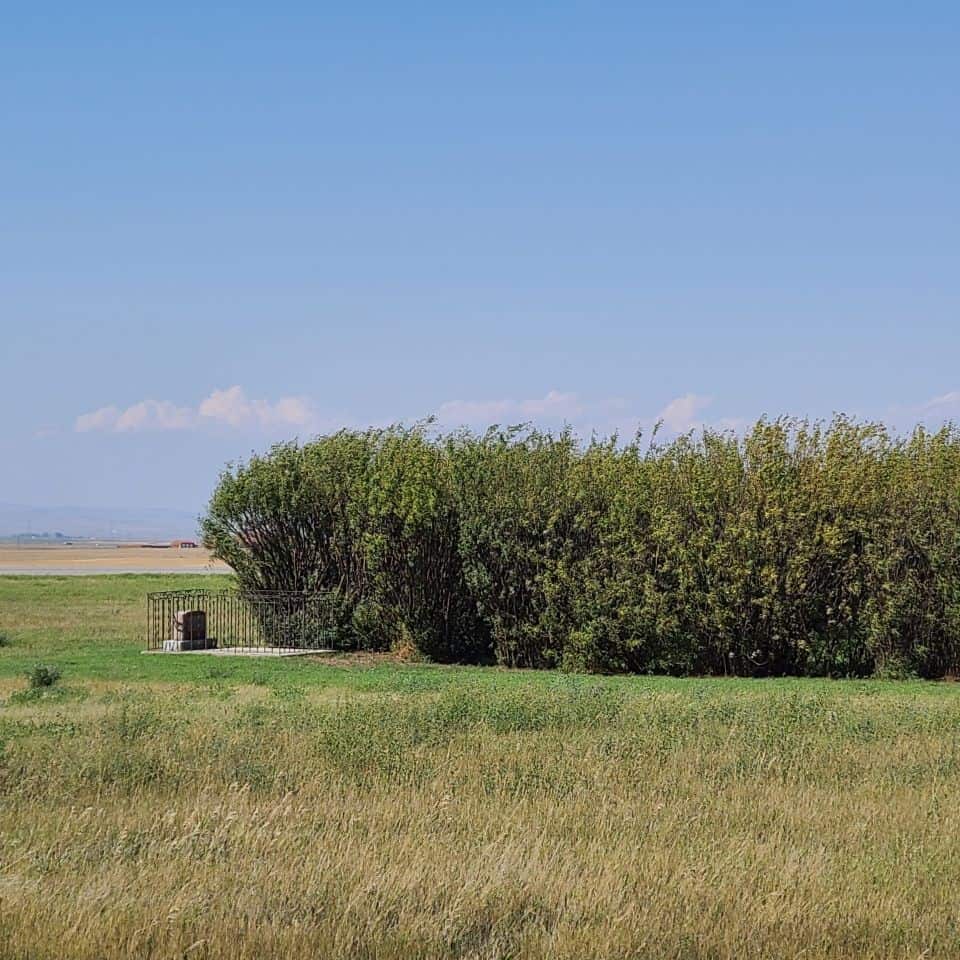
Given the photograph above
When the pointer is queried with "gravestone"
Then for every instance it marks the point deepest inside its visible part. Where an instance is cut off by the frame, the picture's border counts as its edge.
(189, 632)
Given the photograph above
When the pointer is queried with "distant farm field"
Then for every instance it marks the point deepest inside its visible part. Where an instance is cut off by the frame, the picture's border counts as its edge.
(164, 806)
(77, 559)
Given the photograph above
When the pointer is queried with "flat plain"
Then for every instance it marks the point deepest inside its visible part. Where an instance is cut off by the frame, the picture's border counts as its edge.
(85, 559)
(164, 806)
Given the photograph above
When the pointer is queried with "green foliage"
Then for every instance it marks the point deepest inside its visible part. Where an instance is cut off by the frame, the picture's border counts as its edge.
(515, 534)
(416, 594)
(4, 640)
(43, 675)
(800, 548)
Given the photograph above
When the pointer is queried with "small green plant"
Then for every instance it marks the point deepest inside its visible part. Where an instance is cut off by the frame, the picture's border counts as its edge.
(42, 676)
(894, 668)
(5, 640)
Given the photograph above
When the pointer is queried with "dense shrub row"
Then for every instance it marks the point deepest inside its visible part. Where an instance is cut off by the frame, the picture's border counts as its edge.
(801, 548)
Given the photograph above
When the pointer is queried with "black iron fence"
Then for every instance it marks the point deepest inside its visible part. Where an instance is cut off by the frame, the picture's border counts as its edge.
(255, 622)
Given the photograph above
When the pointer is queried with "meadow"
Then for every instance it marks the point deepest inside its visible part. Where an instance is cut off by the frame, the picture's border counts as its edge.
(164, 806)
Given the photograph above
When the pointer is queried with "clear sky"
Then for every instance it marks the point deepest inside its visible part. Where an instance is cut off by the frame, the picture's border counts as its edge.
(222, 225)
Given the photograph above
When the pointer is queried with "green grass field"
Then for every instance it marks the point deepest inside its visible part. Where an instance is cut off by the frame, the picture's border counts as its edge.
(162, 806)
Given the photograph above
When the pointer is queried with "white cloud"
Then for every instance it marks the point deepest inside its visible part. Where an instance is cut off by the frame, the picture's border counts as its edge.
(606, 416)
(293, 410)
(554, 405)
(103, 419)
(229, 407)
(682, 413)
(154, 415)
(932, 413)
(946, 405)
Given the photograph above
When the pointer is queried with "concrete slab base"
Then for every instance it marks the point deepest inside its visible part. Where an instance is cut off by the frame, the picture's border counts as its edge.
(189, 646)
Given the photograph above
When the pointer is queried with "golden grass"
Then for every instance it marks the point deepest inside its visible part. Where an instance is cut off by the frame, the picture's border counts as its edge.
(87, 560)
(573, 822)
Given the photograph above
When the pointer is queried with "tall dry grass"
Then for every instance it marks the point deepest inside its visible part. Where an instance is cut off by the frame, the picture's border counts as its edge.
(572, 822)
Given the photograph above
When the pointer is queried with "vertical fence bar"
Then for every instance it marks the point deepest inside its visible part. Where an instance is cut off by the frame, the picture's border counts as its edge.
(262, 621)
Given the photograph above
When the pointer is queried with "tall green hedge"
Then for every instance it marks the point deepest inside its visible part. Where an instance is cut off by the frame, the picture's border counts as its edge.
(800, 548)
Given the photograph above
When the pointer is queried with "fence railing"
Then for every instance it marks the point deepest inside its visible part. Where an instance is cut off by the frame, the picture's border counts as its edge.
(260, 622)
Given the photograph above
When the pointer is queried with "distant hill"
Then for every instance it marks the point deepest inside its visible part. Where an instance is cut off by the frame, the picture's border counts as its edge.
(122, 524)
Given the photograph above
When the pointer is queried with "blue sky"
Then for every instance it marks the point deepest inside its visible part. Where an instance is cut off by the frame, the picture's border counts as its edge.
(227, 225)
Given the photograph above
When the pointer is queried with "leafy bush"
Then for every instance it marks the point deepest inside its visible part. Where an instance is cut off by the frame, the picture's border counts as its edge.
(4, 640)
(515, 535)
(799, 548)
(41, 676)
(411, 548)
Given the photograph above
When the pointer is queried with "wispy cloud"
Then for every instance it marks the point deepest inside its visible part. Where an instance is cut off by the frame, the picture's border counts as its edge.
(605, 415)
(555, 406)
(933, 412)
(947, 405)
(230, 407)
(683, 413)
